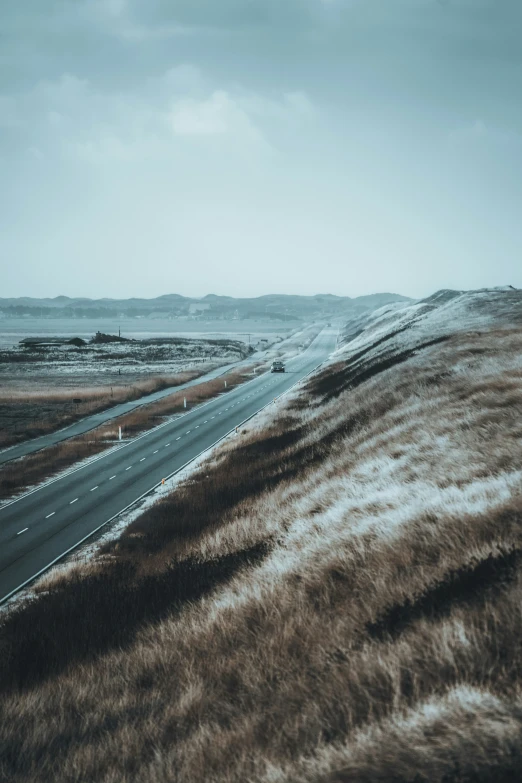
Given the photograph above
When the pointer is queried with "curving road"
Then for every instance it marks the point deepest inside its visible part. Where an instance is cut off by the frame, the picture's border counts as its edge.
(42, 526)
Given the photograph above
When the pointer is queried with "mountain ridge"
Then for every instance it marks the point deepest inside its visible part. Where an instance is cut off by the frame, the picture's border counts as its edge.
(283, 306)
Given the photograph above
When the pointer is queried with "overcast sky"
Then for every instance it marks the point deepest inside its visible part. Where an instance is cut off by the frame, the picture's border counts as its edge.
(246, 147)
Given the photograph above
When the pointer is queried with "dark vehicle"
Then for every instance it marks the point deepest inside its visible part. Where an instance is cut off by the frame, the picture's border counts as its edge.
(277, 367)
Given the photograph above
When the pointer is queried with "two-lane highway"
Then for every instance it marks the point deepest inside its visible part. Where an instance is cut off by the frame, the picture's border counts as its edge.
(41, 526)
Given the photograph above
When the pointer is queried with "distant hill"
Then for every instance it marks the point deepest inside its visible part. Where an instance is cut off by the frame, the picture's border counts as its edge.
(272, 306)
(442, 313)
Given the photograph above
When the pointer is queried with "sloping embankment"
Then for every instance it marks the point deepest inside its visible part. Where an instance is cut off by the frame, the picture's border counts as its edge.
(335, 597)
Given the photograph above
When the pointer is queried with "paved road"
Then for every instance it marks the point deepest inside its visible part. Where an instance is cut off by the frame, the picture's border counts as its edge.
(90, 422)
(43, 525)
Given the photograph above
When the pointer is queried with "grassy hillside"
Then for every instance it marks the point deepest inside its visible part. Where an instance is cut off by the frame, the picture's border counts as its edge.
(336, 596)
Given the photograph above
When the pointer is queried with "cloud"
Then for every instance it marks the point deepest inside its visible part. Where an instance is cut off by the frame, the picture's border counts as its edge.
(478, 132)
(71, 117)
(114, 7)
(300, 102)
(184, 78)
(219, 114)
(226, 13)
(161, 20)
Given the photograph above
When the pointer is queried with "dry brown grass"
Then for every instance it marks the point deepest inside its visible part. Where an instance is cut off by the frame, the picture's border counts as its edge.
(20, 474)
(150, 415)
(25, 415)
(337, 598)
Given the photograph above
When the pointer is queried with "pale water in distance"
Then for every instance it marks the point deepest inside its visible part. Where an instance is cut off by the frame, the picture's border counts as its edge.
(12, 330)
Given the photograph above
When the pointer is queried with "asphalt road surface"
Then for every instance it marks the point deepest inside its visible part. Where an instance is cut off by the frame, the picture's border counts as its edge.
(90, 422)
(42, 526)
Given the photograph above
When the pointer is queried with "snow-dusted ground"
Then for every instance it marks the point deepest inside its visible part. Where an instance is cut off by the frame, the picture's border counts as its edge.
(379, 634)
(402, 327)
(62, 367)
(81, 557)
(99, 364)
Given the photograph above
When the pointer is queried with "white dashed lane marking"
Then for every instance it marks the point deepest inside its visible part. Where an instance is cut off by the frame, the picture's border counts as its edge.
(73, 501)
(50, 515)
(22, 531)
(111, 478)
(130, 466)
(92, 490)
(143, 459)
(179, 438)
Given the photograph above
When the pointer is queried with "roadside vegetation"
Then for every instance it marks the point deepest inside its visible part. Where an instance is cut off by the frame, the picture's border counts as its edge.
(50, 393)
(334, 596)
(49, 384)
(27, 415)
(28, 471)
(24, 473)
(148, 416)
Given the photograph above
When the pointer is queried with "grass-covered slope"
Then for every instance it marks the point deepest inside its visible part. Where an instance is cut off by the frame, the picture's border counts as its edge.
(336, 597)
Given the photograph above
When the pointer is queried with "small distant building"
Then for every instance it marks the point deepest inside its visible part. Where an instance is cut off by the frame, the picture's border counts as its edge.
(198, 307)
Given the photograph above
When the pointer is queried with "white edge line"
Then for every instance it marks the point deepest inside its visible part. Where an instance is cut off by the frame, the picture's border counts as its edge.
(108, 453)
(181, 387)
(148, 492)
(113, 450)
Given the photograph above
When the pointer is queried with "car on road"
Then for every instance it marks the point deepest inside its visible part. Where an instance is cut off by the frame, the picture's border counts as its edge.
(277, 366)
